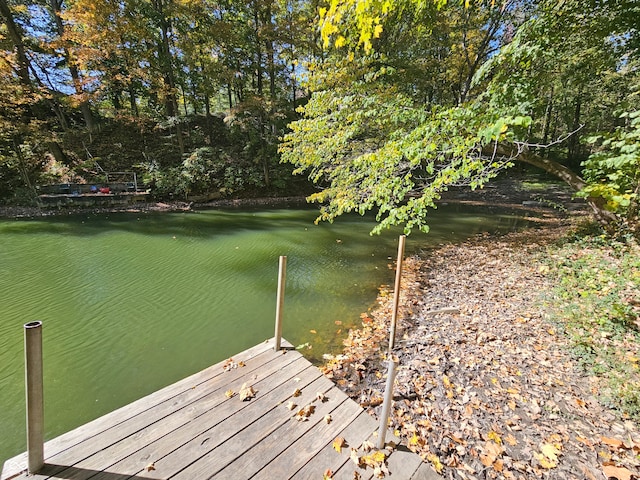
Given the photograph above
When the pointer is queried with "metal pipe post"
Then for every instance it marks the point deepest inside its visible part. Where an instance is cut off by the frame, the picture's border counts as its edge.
(386, 404)
(282, 278)
(396, 292)
(35, 395)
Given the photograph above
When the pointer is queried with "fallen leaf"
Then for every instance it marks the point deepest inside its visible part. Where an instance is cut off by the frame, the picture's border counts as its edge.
(354, 456)
(550, 451)
(304, 413)
(321, 397)
(291, 405)
(150, 467)
(511, 440)
(229, 393)
(374, 459)
(328, 474)
(327, 418)
(487, 460)
(296, 393)
(313, 331)
(242, 364)
(367, 446)
(247, 392)
(619, 473)
(495, 437)
(338, 443)
(545, 462)
(435, 461)
(612, 442)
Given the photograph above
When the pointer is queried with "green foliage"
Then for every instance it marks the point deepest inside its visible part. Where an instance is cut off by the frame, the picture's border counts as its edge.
(596, 303)
(205, 171)
(372, 148)
(613, 171)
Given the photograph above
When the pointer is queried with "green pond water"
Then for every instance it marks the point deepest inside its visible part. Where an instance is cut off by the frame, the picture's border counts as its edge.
(133, 302)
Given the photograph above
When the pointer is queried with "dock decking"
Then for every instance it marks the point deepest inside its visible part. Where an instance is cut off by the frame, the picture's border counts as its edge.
(194, 430)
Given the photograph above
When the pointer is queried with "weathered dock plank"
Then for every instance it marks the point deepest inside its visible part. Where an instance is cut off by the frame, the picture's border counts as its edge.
(199, 428)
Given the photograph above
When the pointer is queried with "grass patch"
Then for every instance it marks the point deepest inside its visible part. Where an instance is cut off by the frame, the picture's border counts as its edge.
(596, 302)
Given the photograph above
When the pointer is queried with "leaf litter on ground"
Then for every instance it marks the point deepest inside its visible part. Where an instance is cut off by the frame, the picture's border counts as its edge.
(491, 391)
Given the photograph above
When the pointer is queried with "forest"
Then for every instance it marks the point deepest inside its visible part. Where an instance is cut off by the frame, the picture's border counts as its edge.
(382, 104)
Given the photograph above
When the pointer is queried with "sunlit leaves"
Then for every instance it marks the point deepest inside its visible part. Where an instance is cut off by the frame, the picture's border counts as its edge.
(613, 171)
(338, 444)
(375, 150)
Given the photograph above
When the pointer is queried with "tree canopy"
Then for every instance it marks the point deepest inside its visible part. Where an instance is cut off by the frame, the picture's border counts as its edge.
(384, 104)
(418, 97)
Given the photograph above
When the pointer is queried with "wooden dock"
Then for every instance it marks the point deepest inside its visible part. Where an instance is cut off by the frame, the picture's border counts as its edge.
(199, 428)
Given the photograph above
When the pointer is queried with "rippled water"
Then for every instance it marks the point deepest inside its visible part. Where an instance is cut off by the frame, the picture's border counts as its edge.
(133, 302)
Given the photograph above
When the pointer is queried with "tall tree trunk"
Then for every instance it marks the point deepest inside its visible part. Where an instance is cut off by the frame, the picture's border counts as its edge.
(209, 123)
(15, 36)
(597, 204)
(166, 65)
(56, 8)
(22, 167)
(258, 48)
(24, 67)
(547, 118)
(133, 101)
(574, 140)
(230, 95)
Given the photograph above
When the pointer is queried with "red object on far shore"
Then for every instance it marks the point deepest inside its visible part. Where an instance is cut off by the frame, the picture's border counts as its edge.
(105, 190)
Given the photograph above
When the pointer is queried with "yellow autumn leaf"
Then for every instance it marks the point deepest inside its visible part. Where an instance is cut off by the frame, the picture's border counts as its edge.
(374, 459)
(340, 42)
(435, 461)
(229, 393)
(377, 31)
(495, 437)
(544, 461)
(338, 443)
(550, 451)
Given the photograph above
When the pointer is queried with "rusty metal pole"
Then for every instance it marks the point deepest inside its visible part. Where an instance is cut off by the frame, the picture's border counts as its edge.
(34, 395)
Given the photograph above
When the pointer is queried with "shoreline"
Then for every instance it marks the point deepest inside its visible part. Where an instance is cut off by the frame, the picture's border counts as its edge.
(25, 212)
(491, 391)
